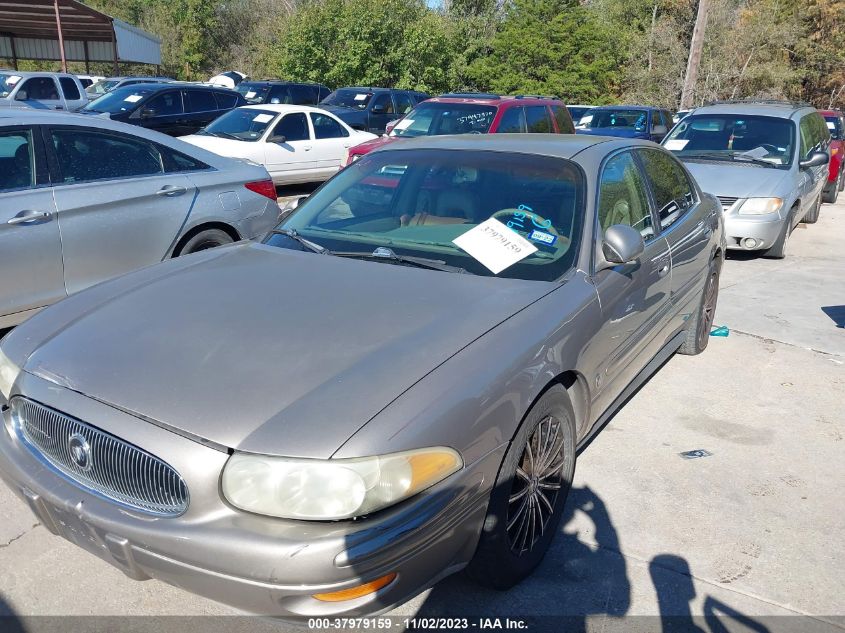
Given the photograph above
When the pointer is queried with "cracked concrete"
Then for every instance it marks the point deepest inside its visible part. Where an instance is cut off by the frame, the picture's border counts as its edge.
(752, 531)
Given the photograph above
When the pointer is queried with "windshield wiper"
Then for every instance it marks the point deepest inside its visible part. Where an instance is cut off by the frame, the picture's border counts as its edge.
(387, 254)
(741, 156)
(311, 246)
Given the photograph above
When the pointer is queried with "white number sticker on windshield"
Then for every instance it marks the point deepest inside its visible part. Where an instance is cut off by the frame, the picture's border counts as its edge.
(250, 94)
(360, 97)
(403, 124)
(676, 144)
(495, 245)
(262, 118)
(134, 98)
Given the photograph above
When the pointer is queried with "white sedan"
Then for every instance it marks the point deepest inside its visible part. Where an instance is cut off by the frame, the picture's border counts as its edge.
(295, 143)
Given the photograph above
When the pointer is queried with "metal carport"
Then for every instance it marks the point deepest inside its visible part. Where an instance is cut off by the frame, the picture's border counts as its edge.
(67, 30)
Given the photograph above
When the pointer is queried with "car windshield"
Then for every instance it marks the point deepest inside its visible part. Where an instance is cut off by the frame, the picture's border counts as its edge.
(348, 98)
(618, 118)
(431, 118)
(416, 203)
(834, 124)
(119, 100)
(243, 124)
(253, 92)
(7, 83)
(102, 87)
(576, 112)
(733, 137)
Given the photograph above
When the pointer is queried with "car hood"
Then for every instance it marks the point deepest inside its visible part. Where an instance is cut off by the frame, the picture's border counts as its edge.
(378, 141)
(265, 349)
(613, 131)
(342, 111)
(741, 180)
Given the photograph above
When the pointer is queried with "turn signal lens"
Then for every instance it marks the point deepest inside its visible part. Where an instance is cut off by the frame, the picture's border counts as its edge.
(356, 592)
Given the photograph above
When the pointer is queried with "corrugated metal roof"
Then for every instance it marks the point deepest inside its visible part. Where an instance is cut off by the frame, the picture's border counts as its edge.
(32, 26)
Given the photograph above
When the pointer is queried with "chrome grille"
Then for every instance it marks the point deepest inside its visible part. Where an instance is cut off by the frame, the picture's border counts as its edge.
(99, 461)
(727, 202)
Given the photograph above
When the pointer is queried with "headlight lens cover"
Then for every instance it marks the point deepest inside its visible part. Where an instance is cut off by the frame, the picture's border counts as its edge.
(8, 374)
(761, 206)
(324, 490)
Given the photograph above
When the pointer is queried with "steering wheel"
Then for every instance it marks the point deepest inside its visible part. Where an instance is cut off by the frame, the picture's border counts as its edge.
(527, 219)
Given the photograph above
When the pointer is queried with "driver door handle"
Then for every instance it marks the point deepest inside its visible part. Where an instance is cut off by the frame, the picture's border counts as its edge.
(171, 191)
(30, 217)
(307, 148)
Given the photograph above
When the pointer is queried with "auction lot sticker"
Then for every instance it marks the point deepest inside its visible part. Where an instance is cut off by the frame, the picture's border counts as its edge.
(495, 245)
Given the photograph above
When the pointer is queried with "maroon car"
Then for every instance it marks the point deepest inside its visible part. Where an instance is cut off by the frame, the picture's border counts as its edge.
(475, 113)
(836, 176)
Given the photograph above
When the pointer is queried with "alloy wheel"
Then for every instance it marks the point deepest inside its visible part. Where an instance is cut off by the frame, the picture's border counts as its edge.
(536, 486)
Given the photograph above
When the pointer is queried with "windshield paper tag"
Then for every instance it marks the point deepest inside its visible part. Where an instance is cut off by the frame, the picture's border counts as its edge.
(262, 118)
(543, 237)
(676, 144)
(403, 124)
(360, 97)
(134, 98)
(495, 245)
(250, 94)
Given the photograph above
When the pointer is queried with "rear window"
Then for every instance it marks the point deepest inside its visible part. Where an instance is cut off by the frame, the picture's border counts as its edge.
(563, 120)
(226, 100)
(69, 88)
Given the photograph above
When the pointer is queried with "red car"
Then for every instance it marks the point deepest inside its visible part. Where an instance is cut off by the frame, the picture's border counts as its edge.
(836, 177)
(474, 113)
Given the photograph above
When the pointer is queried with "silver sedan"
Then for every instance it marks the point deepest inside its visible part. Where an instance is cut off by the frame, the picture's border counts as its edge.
(86, 199)
(394, 388)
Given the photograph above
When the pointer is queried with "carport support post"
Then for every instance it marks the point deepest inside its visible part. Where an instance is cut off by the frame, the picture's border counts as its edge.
(114, 50)
(87, 59)
(61, 38)
(14, 51)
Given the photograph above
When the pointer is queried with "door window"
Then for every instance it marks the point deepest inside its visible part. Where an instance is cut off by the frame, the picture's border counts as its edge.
(69, 88)
(403, 102)
(383, 100)
(166, 104)
(622, 196)
(200, 101)
(326, 127)
(293, 127)
(41, 88)
(279, 94)
(537, 118)
(673, 193)
(84, 155)
(512, 121)
(302, 95)
(226, 100)
(177, 161)
(563, 120)
(17, 162)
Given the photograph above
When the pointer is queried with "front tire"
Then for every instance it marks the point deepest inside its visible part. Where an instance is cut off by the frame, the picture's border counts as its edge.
(813, 216)
(530, 492)
(698, 331)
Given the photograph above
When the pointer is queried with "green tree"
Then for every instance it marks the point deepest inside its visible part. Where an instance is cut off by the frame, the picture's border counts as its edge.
(550, 47)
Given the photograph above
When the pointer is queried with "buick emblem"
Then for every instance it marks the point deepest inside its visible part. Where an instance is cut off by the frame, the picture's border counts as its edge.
(80, 451)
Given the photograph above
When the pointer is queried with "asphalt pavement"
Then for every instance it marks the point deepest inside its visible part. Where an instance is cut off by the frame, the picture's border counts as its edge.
(750, 530)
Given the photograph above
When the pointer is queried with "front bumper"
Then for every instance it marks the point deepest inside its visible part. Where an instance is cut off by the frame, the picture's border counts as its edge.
(763, 229)
(257, 564)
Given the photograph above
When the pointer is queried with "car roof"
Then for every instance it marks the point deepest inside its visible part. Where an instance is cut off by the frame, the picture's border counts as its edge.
(831, 113)
(373, 89)
(280, 108)
(35, 73)
(556, 145)
(490, 99)
(629, 106)
(782, 110)
(279, 82)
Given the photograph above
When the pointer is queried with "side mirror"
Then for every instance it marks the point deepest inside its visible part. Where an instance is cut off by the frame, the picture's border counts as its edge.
(622, 244)
(378, 109)
(659, 129)
(277, 138)
(289, 207)
(21, 96)
(147, 113)
(816, 159)
(389, 127)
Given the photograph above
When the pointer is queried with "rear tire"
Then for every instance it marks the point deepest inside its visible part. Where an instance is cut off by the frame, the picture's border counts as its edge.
(527, 501)
(698, 331)
(204, 240)
(832, 194)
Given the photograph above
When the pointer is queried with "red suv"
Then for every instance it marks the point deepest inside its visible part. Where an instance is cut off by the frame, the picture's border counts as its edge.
(474, 113)
(836, 176)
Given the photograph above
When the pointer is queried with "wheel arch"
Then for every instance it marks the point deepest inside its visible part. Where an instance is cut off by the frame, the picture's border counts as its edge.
(226, 228)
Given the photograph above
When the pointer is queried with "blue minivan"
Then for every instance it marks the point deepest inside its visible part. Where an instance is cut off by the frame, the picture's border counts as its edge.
(634, 121)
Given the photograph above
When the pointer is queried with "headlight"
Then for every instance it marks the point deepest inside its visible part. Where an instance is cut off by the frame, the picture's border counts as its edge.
(330, 489)
(8, 374)
(760, 206)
